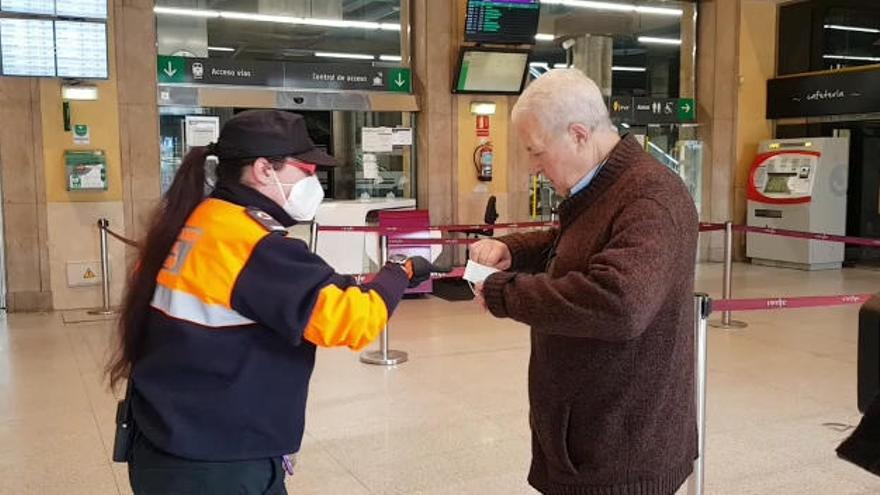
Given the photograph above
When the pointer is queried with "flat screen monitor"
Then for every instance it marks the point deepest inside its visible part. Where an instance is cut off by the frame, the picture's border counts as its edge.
(482, 70)
(81, 49)
(27, 48)
(88, 9)
(38, 7)
(502, 21)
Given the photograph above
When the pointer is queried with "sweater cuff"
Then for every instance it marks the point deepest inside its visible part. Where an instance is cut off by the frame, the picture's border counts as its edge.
(493, 293)
(518, 251)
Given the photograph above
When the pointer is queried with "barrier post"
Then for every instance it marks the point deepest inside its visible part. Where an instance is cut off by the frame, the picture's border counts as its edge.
(726, 321)
(103, 225)
(702, 309)
(313, 236)
(384, 356)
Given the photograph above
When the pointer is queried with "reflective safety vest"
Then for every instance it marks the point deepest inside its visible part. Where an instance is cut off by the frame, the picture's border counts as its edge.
(236, 314)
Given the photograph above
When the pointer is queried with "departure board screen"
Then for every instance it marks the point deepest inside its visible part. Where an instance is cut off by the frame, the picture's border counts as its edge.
(81, 49)
(54, 38)
(40, 7)
(90, 9)
(502, 21)
(27, 48)
(492, 71)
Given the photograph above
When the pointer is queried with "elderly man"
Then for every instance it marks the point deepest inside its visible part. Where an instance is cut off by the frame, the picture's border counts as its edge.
(609, 298)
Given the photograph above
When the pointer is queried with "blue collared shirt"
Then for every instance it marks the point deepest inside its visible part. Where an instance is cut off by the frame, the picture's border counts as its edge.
(583, 183)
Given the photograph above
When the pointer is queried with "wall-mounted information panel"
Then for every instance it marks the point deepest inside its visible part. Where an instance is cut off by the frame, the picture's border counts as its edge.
(27, 47)
(86, 170)
(483, 70)
(85, 9)
(54, 38)
(81, 49)
(37, 7)
(502, 21)
(88, 9)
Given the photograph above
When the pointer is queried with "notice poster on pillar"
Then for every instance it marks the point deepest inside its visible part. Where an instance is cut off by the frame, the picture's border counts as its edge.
(201, 130)
(402, 136)
(377, 139)
(371, 167)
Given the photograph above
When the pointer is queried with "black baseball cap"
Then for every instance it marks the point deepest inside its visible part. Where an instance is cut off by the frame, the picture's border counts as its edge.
(269, 133)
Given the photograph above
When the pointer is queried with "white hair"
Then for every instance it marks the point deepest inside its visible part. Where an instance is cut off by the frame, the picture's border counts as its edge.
(562, 97)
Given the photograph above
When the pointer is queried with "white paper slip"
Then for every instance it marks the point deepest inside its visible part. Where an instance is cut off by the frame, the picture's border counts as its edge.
(371, 166)
(377, 139)
(476, 273)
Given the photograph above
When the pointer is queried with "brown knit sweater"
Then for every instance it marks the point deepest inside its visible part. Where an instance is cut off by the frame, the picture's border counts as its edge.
(611, 311)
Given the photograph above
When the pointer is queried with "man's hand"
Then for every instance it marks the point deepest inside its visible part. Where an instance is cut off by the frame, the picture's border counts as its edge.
(489, 252)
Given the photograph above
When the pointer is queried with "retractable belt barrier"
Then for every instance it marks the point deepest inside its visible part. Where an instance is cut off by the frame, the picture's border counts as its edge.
(440, 228)
(103, 232)
(404, 242)
(704, 227)
(765, 304)
(812, 236)
(118, 237)
(703, 305)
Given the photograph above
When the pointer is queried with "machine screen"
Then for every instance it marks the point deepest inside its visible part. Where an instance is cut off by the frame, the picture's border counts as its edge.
(786, 175)
(777, 184)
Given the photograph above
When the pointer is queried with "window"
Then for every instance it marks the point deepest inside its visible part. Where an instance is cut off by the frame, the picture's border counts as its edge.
(308, 31)
(852, 38)
(646, 54)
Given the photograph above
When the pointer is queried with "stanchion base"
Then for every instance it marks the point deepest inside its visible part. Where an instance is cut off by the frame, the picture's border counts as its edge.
(733, 325)
(102, 312)
(393, 358)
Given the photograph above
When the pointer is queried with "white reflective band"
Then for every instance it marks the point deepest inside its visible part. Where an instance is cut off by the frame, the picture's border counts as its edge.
(183, 306)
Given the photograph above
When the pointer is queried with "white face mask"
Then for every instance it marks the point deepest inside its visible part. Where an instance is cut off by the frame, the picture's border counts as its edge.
(304, 198)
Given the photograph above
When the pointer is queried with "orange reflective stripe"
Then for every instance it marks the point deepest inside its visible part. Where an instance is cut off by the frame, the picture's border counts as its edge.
(211, 251)
(353, 318)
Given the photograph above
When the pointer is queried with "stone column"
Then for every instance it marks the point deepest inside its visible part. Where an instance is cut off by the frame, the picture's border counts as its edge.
(25, 218)
(135, 38)
(344, 139)
(593, 55)
(435, 44)
(687, 81)
(717, 98)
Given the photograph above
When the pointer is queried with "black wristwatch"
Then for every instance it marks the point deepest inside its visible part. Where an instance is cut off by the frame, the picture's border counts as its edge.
(398, 259)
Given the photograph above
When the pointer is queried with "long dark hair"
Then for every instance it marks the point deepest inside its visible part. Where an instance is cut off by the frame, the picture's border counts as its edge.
(185, 194)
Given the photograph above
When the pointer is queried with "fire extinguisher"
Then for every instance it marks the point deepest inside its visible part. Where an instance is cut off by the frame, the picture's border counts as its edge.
(483, 157)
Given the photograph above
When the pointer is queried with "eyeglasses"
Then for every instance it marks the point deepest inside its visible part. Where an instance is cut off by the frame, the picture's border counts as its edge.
(308, 168)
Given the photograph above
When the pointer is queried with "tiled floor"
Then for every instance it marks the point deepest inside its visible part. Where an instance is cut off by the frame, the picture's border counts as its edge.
(453, 419)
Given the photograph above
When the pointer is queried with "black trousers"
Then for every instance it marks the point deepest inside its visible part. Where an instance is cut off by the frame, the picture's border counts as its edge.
(153, 472)
(862, 448)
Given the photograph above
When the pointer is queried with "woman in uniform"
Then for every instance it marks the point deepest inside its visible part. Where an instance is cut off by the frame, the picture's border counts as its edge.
(222, 317)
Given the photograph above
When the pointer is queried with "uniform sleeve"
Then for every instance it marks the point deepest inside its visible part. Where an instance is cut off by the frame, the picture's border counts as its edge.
(622, 288)
(294, 292)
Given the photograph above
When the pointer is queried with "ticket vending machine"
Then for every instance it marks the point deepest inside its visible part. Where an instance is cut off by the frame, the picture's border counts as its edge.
(798, 184)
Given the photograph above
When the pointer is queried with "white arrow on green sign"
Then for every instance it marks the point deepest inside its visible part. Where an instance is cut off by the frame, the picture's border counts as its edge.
(400, 80)
(171, 69)
(687, 110)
